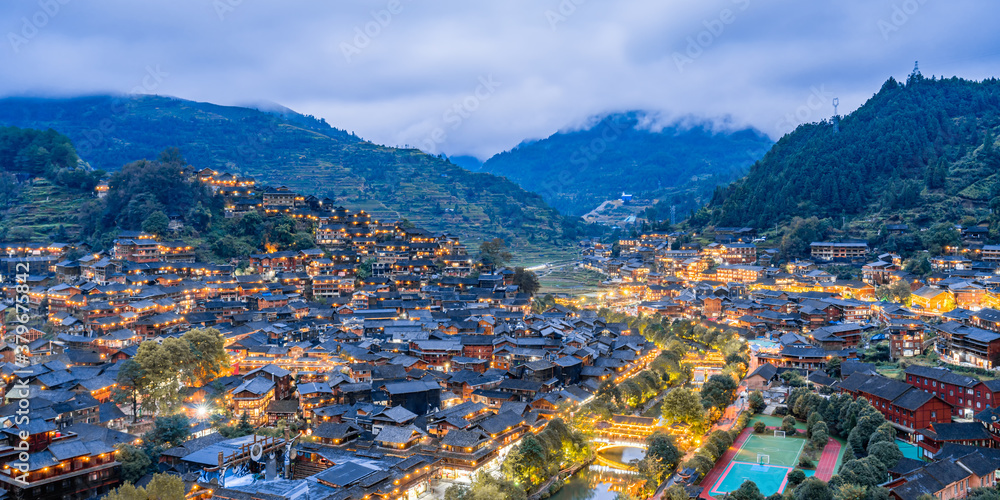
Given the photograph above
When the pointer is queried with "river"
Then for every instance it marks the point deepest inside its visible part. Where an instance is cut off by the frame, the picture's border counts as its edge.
(594, 484)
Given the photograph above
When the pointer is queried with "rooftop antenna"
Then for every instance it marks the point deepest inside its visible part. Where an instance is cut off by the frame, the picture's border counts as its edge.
(836, 117)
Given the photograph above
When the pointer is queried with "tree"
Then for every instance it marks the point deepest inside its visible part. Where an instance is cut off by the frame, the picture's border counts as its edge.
(660, 447)
(127, 491)
(526, 463)
(700, 463)
(756, 402)
(162, 371)
(364, 270)
(170, 431)
(887, 453)
(895, 292)
(675, 492)
(819, 435)
(134, 462)
(849, 491)
(941, 236)
(156, 223)
(920, 265)
(244, 427)
(811, 420)
(867, 471)
(165, 487)
(759, 427)
(813, 489)
(801, 233)
(983, 494)
(747, 491)
(883, 433)
(494, 253)
(683, 405)
(526, 281)
(868, 421)
(718, 391)
(788, 424)
(208, 355)
(793, 379)
(796, 477)
(130, 385)
(832, 367)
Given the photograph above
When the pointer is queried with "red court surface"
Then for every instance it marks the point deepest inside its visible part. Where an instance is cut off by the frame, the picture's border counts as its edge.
(828, 460)
(720, 467)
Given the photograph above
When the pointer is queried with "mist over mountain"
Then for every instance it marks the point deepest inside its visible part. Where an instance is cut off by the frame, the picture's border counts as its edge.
(575, 170)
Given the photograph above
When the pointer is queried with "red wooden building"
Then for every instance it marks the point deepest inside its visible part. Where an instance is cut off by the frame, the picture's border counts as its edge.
(968, 395)
(907, 408)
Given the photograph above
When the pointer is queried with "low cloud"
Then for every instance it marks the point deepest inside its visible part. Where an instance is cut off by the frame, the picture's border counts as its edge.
(390, 70)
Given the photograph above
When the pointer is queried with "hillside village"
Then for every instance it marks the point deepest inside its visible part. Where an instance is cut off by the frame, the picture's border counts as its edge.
(385, 358)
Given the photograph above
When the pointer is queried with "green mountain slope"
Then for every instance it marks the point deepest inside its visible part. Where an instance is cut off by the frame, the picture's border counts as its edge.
(304, 154)
(43, 184)
(575, 171)
(920, 152)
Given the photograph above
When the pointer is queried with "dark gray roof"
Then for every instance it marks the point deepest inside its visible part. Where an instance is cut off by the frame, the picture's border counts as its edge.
(462, 438)
(766, 370)
(913, 399)
(344, 474)
(957, 431)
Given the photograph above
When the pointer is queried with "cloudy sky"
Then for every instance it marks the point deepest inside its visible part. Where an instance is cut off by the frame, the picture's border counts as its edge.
(478, 77)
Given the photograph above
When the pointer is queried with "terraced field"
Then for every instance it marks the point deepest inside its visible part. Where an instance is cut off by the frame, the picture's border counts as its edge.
(44, 207)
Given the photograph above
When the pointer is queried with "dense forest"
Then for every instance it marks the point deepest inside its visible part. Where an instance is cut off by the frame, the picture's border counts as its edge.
(30, 153)
(304, 154)
(575, 171)
(923, 152)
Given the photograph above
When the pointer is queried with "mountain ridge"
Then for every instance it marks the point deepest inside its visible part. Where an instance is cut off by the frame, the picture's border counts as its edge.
(580, 166)
(302, 153)
(922, 151)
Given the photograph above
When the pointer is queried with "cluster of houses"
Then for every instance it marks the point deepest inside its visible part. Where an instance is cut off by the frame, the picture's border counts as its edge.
(955, 309)
(416, 372)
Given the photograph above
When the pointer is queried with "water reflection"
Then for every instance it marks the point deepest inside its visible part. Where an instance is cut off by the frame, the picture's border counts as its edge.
(594, 484)
(621, 455)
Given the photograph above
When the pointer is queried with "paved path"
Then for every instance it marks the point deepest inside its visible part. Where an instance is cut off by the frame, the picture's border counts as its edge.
(714, 474)
(828, 460)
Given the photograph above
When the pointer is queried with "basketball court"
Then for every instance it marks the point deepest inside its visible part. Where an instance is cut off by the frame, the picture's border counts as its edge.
(782, 451)
(764, 459)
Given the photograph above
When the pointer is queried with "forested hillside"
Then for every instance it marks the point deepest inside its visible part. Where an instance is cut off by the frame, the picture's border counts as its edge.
(304, 154)
(40, 177)
(575, 171)
(920, 152)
